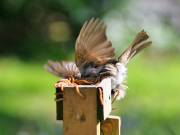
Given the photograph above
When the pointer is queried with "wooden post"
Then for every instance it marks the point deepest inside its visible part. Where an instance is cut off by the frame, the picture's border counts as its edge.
(111, 126)
(82, 116)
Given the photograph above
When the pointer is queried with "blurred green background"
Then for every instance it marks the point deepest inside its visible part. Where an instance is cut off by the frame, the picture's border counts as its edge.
(31, 32)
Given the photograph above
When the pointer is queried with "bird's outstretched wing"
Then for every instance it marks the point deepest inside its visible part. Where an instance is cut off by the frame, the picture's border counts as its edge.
(92, 45)
(140, 42)
(63, 69)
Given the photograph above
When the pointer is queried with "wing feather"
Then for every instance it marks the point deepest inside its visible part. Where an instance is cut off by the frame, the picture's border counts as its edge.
(92, 45)
(140, 42)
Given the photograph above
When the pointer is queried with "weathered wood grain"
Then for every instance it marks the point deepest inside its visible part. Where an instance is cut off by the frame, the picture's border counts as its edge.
(80, 115)
(111, 126)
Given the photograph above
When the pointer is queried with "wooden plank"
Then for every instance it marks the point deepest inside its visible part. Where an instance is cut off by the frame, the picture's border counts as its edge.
(80, 115)
(111, 126)
(59, 105)
(103, 111)
(106, 108)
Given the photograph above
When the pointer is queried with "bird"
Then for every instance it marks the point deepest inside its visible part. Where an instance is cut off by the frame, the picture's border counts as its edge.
(95, 59)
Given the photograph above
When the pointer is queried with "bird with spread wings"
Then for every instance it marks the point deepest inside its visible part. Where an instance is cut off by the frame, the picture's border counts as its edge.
(95, 59)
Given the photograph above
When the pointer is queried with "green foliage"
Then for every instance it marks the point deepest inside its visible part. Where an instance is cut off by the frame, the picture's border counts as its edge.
(26, 26)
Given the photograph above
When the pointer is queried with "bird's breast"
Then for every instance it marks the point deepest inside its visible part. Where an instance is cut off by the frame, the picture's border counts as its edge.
(122, 72)
(120, 76)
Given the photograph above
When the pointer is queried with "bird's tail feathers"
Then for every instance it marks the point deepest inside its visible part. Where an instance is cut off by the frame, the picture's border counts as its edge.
(53, 68)
(140, 42)
(62, 69)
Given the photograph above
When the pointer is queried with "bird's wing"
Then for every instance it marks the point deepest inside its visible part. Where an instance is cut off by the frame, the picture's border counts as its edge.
(92, 45)
(140, 42)
(63, 69)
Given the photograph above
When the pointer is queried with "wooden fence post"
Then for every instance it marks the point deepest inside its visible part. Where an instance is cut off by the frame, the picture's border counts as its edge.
(82, 116)
(111, 126)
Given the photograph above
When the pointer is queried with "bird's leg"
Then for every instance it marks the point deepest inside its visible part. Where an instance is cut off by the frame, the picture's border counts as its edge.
(101, 95)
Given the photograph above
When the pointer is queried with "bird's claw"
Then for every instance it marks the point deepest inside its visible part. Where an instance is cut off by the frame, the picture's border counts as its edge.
(68, 82)
(62, 83)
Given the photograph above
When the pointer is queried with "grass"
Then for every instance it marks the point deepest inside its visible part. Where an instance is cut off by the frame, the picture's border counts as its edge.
(150, 107)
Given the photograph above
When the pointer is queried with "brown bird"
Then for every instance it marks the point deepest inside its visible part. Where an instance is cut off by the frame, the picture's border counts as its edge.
(95, 58)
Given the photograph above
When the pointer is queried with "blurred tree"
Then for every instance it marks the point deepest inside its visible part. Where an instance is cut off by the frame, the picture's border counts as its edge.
(45, 28)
